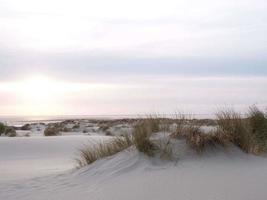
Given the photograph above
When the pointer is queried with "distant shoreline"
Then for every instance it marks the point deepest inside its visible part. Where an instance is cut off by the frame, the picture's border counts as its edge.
(21, 120)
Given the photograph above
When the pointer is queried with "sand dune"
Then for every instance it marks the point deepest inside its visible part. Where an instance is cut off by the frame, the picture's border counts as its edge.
(41, 168)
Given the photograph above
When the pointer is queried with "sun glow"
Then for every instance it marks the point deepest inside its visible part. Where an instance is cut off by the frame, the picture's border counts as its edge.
(41, 95)
(38, 95)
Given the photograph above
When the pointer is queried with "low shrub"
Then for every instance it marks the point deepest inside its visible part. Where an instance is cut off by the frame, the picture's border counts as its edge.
(108, 133)
(104, 127)
(65, 129)
(2, 128)
(10, 132)
(51, 131)
(76, 126)
(26, 127)
(85, 131)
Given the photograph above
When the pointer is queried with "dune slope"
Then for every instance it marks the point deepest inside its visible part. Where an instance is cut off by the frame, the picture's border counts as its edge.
(131, 175)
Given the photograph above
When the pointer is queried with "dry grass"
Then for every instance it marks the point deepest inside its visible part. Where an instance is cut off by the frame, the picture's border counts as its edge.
(141, 136)
(197, 139)
(258, 127)
(153, 122)
(182, 126)
(200, 141)
(143, 141)
(185, 129)
(232, 125)
(249, 133)
(89, 154)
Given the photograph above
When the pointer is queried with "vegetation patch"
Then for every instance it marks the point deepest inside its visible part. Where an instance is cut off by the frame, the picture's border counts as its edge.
(104, 127)
(141, 137)
(2, 128)
(26, 127)
(152, 136)
(10, 131)
(249, 133)
(91, 153)
(51, 131)
(195, 137)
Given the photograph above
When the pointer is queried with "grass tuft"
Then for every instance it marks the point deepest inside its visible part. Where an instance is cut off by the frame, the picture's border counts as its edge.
(90, 154)
(200, 141)
(232, 125)
(249, 133)
(195, 137)
(258, 127)
(141, 136)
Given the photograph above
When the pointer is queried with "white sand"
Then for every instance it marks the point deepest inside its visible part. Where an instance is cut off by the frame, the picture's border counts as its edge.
(29, 157)
(38, 168)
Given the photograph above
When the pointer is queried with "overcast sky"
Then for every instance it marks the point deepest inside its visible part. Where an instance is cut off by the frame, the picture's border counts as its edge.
(129, 57)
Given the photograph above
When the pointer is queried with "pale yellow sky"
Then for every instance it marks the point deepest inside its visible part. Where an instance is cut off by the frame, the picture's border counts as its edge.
(39, 95)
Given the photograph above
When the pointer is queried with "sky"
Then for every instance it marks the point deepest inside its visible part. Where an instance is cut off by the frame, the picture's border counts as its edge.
(110, 57)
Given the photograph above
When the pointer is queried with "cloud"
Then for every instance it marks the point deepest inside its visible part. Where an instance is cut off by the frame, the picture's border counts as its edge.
(173, 28)
(82, 66)
(196, 54)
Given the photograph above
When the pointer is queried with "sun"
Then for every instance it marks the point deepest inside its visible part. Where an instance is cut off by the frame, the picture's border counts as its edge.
(39, 88)
(40, 95)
